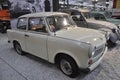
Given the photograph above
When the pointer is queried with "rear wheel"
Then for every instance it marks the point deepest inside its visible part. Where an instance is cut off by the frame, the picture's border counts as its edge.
(68, 66)
(18, 48)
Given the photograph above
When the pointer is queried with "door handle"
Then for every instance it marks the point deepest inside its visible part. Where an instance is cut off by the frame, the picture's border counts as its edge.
(26, 35)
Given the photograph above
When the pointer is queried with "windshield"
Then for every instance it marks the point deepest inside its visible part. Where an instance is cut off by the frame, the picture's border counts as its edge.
(87, 15)
(59, 22)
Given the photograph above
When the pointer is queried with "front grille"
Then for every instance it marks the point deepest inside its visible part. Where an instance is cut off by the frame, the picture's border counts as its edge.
(98, 52)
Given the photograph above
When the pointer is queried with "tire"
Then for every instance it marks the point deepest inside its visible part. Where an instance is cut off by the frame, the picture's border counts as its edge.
(18, 48)
(68, 66)
(4, 29)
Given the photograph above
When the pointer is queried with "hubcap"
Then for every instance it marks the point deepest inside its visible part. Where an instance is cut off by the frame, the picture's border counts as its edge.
(66, 67)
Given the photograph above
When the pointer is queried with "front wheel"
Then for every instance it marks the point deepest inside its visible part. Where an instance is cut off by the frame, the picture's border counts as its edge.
(68, 66)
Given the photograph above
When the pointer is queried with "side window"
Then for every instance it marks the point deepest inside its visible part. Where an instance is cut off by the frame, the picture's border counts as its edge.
(22, 23)
(37, 24)
(76, 16)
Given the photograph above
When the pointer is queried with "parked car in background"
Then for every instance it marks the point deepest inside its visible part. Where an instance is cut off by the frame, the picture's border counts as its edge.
(54, 36)
(83, 18)
(19, 8)
(105, 16)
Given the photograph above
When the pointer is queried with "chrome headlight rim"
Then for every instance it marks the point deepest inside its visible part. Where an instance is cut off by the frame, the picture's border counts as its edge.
(92, 51)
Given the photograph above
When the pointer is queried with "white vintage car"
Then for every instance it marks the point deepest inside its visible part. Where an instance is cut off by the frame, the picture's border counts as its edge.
(54, 37)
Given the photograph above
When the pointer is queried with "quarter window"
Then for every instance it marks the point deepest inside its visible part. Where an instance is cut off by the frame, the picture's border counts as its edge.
(22, 23)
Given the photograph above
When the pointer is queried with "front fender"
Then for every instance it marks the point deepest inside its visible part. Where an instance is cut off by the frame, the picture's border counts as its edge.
(75, 58)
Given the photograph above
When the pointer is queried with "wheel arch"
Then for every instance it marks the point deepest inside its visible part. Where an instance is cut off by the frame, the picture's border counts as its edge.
(59, 55)
(16, 41)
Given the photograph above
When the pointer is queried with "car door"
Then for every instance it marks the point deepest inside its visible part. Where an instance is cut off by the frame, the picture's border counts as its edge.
(36, 37)
(79, 19)
(20, 32)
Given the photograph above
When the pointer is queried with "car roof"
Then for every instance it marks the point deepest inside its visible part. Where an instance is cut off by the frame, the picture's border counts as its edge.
(43, 14)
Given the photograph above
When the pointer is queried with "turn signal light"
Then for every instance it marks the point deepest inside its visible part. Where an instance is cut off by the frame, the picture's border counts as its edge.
(90, 62)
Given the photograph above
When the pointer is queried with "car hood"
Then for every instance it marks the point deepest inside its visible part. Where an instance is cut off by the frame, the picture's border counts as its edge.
(82, 34)
(101, 24)
(115, 21)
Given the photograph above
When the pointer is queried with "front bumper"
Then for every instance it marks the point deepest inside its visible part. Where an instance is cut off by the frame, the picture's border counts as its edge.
(95, 64)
